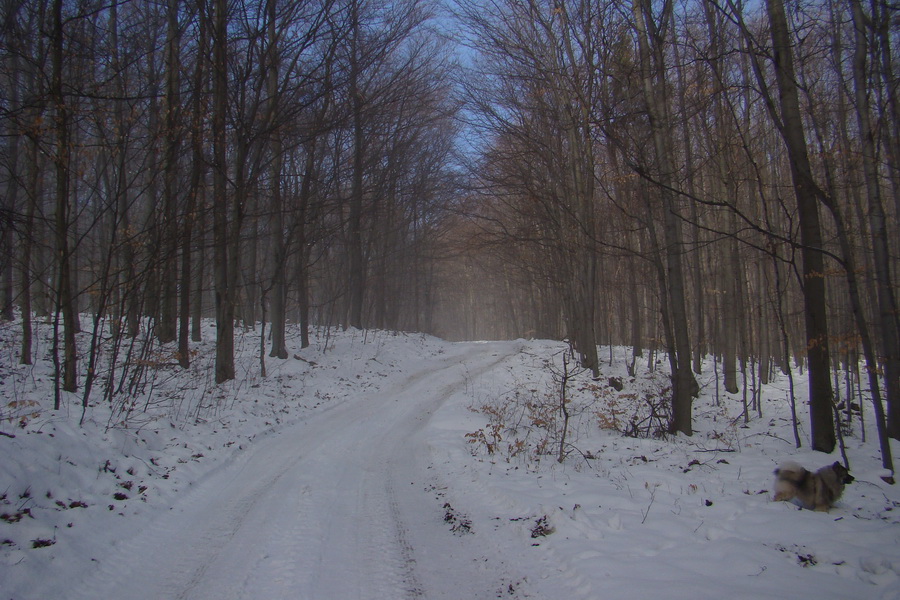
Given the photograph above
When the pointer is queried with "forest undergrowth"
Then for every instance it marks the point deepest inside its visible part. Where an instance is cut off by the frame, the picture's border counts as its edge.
(560, 411)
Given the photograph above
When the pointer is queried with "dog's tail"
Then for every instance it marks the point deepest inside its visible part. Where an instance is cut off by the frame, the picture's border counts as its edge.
(789, 477)
(791, 471)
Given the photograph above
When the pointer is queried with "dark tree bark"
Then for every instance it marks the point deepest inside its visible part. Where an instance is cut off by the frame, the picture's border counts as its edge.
(13, 177)
(805, 190)
(356, 272)
(276, 222)
(886, 317)
(166, 328)
(303, 258)
(65, 302)
(654, 87)
(224, 278)
(198, 176)
(32, 189)
(32, 185)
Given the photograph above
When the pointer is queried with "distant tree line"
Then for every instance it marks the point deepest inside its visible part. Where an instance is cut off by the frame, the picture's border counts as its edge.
(259, 161)
(709, 177)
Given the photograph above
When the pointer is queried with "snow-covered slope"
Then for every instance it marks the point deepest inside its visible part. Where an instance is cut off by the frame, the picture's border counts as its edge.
(382, 465)
(684, 517)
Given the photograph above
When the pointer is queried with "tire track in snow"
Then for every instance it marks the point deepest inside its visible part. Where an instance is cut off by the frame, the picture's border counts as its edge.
(313, 512)
(488, 577)
(171, 548)
(386, 558)
(277, 570)
(412, 587)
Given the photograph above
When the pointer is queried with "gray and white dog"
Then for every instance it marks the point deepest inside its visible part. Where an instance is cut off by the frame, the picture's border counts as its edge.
(814, 491)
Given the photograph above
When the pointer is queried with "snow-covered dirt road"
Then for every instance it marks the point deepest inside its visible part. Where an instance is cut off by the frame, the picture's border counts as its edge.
(334, 507)
(385, 466)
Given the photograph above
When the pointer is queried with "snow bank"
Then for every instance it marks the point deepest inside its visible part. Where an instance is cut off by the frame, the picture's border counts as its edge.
(70, 493)
(683, 517)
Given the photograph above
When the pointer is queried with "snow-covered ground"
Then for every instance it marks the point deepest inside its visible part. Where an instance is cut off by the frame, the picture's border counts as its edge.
(385, 466)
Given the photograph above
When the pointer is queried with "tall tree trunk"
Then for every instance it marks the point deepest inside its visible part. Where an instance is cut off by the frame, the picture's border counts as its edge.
(635, 313)
(728, 337)
(64, 294)
(11, 198)
(225, 294)
(166, 328)
(149, 294)
(198, 271)
(198, 176)
(32, 187)
(805, 190)
(303, 259)
(357, 280)
(886, 316)
(276, 222)
(689, 165)
(247, 250)
(684, 386)
(883, 25)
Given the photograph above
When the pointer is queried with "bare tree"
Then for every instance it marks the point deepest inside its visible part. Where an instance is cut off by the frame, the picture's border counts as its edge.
(651, 40)
(886, 322)
(224, 241)
(790, 125)
(167, 326)
(64, 292)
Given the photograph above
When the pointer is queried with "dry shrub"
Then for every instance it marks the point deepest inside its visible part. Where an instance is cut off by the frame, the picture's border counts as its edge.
(515, 418)
(634, 414)
(20, 411)
(528, 423)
